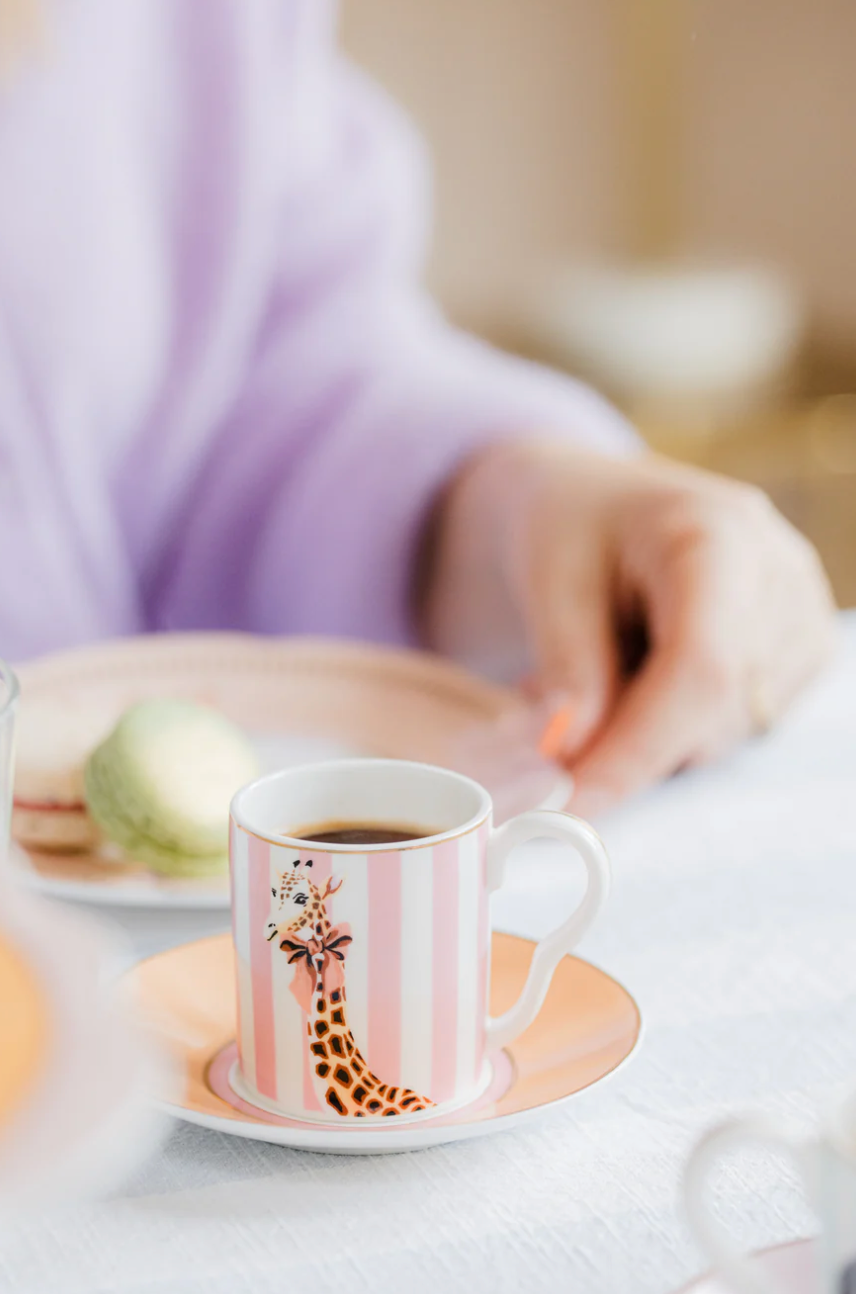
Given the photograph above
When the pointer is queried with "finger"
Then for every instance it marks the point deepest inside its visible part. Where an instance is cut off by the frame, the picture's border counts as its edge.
(655, 730)
(574, 646)
(687, 696)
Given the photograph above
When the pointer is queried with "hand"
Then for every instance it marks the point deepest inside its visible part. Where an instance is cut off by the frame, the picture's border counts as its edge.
(677, 610)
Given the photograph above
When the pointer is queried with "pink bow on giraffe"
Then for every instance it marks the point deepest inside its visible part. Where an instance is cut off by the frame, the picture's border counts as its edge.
(332, 948)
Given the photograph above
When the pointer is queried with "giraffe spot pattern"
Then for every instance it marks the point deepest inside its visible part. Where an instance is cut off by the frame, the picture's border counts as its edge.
(338, 1016)
(335, 1100)
(322, 1027)
(343, 1076)
(323, 1069)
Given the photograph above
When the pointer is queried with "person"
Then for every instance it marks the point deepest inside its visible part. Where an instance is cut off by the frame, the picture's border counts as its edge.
(226, 401)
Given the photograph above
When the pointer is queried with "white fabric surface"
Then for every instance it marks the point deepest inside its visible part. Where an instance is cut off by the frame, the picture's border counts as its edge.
(732, 921)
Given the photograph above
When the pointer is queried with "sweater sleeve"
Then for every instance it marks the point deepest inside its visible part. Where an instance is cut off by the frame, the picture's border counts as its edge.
(360, 401)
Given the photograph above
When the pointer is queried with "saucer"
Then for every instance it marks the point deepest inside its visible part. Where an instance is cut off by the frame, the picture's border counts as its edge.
(299, 700)
(790, 1267)
(589, 1025)
(26, 1027)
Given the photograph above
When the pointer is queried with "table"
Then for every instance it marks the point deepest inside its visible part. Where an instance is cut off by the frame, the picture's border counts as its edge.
(732, 921)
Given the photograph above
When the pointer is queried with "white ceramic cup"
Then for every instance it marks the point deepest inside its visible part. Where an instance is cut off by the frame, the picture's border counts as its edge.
(828, 1167)
(363, 970)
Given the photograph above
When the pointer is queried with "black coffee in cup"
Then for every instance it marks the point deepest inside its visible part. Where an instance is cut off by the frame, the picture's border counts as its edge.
(362, 833)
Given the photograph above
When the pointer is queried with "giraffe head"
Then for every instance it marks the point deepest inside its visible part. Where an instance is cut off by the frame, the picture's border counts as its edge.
(297, 903)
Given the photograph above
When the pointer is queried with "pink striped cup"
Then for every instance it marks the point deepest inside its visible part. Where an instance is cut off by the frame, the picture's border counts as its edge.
(363, 971)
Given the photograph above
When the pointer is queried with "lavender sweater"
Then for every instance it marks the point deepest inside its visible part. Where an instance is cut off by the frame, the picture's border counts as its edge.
(224, 399)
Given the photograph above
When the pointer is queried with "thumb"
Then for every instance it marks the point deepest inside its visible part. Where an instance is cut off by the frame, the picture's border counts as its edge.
(575, 651)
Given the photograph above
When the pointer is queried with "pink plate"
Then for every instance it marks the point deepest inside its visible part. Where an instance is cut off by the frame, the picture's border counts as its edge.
(299, 699)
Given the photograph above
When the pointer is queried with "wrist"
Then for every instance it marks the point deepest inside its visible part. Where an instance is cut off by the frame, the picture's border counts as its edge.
(469, 605)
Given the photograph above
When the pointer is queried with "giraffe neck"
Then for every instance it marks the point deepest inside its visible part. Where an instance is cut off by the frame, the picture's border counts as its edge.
(343, 1081)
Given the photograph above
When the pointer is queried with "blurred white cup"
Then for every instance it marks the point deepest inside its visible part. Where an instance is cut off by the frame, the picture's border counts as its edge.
(828, 1167)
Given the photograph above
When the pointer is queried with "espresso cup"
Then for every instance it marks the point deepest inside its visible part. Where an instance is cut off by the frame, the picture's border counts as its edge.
(828, 1167)
(363, 970)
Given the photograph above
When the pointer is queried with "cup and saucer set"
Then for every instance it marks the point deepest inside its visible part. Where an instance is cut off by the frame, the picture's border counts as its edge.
(362, 1003)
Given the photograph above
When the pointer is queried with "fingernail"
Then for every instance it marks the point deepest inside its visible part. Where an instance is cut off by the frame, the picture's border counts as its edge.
(562, 713)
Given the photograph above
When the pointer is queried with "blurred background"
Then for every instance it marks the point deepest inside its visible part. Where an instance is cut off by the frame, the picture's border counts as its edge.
(661, 197)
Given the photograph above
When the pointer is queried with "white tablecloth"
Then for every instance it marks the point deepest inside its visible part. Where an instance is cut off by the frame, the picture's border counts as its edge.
(732, 921)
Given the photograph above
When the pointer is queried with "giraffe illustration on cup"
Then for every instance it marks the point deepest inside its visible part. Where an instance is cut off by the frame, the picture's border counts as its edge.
(317, 949)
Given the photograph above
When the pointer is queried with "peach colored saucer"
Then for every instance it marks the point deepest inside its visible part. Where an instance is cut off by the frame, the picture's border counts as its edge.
(300, 700)
(74, 1070)
(25, 1013)
(588, 1027)
(791, 1268)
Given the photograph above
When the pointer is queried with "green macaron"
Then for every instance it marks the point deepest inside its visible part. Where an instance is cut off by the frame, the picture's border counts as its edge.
(160, 785)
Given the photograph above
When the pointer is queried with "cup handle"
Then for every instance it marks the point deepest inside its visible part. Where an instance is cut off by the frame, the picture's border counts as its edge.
(535, 825)
(709, 1232)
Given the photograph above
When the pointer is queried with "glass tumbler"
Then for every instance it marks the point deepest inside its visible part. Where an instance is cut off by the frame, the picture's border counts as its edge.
(8, 707)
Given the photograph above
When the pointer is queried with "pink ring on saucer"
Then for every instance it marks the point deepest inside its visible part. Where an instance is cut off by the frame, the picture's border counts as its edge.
(502, 1077)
